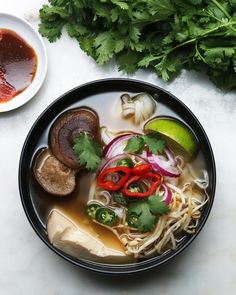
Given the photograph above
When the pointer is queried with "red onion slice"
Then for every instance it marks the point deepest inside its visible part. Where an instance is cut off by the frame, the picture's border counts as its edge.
(167, 194)
(116, 158)
(170, 155)
(162, 165)
(117, 145)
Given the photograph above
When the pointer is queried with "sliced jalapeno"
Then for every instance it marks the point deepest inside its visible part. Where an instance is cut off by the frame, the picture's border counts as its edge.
(132, 220)
(92, 209)
(106, 216)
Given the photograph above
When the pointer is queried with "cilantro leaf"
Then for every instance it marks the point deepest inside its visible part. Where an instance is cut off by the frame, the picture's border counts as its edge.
(146, 213)
(128, 60)
(157, 205)
(146, 220)
(161, 8)
(86, 44)
(154, 142)
(52, 23)
(104, 45)
(135, 145)
(121, 4)
(88, 151)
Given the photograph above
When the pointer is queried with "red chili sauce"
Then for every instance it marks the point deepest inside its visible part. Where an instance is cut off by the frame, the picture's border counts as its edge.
(18, 64)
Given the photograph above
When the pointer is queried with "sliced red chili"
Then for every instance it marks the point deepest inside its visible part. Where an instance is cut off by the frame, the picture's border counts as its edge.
(156, 182)
(141, 169)
(106, 181)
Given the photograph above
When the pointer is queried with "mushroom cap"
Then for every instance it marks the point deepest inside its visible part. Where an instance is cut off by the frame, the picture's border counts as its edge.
(66, 128)
(52, 175)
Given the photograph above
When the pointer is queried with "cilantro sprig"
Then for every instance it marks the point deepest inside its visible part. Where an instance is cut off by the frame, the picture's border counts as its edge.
(164, 35)
(153, 141)
(88, 151)
(144, 214)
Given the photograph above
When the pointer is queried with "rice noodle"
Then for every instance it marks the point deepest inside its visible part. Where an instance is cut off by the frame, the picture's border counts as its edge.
(180, 162)
(106, 196)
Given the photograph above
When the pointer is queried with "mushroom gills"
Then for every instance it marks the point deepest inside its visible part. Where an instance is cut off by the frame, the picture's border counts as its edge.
(53, 176)
(66, 128)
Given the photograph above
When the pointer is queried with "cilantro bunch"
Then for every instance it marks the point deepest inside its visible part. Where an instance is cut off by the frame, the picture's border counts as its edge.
(165, 35)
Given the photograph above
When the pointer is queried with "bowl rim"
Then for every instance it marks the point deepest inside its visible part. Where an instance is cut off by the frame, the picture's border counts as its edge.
(118, 269)
(42, 62)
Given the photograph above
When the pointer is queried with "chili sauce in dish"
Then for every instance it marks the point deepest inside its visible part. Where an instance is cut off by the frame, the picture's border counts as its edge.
(18, 64)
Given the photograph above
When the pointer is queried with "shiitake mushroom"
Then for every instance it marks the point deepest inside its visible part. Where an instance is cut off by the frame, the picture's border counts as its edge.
(54, 177)
(66, 128)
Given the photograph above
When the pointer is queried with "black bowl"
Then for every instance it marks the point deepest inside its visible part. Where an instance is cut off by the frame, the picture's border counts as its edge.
(78, 94)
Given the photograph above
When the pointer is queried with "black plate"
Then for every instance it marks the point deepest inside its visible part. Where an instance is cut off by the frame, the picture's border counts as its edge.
(80, 93)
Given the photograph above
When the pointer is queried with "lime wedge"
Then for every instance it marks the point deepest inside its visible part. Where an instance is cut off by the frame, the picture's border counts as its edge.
(178, 136)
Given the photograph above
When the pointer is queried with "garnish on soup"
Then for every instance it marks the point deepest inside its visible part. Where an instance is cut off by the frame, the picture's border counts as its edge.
(88, 151)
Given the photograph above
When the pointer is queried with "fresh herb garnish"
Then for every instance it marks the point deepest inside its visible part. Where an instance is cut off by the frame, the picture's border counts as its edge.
(153, 141)
(135, 145)
(144, 214)
(145, 220)
(165, 35)
(88, 151)
(157, 205)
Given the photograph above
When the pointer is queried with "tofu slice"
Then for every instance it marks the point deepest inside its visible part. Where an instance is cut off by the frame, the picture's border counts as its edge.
(67, 236)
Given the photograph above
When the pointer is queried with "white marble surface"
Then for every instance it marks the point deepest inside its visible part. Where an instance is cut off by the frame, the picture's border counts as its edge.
(27, 266)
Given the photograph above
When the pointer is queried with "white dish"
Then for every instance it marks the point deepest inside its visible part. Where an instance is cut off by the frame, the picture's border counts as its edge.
(32, 37)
